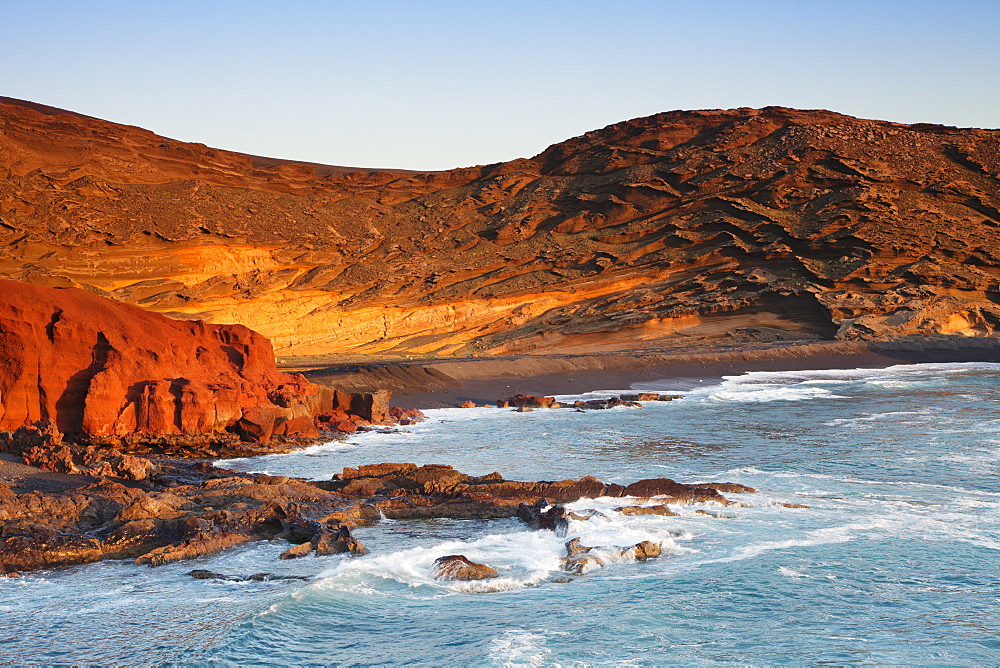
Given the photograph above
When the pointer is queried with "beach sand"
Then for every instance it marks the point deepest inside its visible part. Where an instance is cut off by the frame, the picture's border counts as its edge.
(442, 383)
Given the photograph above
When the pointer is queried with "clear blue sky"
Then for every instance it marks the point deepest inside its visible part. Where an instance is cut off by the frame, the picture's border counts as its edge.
(440, 84)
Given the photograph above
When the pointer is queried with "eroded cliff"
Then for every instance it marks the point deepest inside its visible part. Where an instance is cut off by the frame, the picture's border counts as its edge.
(695, 226)
(97, 369)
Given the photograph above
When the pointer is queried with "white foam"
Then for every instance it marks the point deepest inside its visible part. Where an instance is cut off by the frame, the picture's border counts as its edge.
(766, 393)
(522, 558)
(765, 386)
(519, 648)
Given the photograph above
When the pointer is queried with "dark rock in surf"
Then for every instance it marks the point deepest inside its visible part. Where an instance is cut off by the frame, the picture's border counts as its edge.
(541, 516)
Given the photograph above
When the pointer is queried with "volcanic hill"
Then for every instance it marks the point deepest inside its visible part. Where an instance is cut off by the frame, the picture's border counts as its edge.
(687, 226)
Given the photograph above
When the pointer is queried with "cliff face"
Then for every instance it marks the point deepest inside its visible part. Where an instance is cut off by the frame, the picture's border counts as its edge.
(93, 366)
(696, 226)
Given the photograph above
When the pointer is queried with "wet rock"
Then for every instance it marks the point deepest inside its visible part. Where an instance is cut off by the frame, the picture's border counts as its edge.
(155, 522)
(338, 542)
(325, 542)
(407, 491)
(728, 487)
(528, 401)
(467, 404)
(406, 416)
(676, 491)
(458, 567)
(301, 550)
(646, 510)
(644, 550)
(580, 560)
(541, 516)
(573, 547)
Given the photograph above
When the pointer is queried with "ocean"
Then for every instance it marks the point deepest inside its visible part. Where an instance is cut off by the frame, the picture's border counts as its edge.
(893, 558)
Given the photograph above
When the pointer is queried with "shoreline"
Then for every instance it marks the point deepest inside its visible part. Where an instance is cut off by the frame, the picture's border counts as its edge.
(448, 383)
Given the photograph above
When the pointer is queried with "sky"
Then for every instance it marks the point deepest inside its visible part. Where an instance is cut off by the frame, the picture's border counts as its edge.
(440, 84)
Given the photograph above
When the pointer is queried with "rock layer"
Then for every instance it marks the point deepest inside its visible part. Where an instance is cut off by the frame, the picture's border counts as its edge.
(701, 226)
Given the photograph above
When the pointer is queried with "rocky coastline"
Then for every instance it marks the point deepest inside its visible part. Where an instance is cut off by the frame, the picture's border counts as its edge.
(191, 509)
(111, 418)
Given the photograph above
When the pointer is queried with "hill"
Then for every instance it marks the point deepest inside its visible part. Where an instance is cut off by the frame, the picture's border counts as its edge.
(684, 227)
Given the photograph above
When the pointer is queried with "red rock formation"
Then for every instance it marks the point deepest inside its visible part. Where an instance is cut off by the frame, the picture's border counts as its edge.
(96, 367)
(694, 226)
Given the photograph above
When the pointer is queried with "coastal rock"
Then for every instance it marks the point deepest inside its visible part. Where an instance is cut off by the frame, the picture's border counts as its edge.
(573, 547)
(458, 567)
(528, 401)
(580, 559)
(88, 460)
(338, 542)
(541, 515)
(323, 542)
(644, 550)
(728, 487)
(163, 524)
(646, 510)
(94, 370)
(163, 519)
(406, 491)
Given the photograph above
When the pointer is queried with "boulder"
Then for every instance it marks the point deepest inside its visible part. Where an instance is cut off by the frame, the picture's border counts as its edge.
(458, 567)
(338, 542)
(645, 550)
(373, 407)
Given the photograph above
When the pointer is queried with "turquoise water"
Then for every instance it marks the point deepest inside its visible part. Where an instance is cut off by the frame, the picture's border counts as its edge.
(895, 560)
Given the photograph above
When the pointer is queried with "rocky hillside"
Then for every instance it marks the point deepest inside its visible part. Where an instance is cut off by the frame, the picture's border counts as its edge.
(687, 226)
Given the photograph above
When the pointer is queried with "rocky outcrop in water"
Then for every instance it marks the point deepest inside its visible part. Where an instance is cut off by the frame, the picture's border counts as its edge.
(459, 567)
(686, 226)
(160, 522)
(189, 510)
(406, 491)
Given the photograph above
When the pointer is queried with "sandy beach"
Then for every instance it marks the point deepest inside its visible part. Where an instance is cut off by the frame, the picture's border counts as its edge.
(442, 383)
